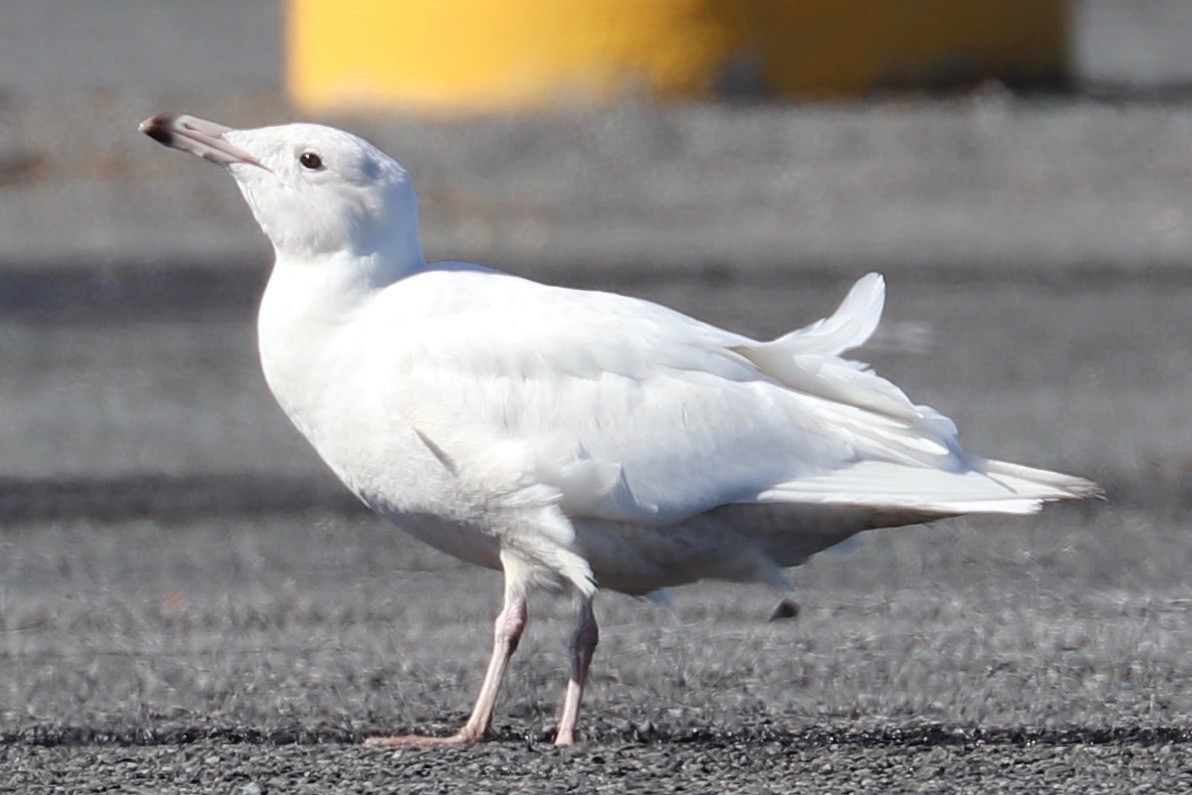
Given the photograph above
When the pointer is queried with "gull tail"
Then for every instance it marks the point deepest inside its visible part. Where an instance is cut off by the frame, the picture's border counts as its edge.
(910, 461)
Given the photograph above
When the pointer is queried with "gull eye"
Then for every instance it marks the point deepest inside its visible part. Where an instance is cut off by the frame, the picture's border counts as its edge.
(310, 160)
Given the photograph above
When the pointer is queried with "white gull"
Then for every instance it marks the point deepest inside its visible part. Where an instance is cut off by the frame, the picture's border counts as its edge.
(571, 439)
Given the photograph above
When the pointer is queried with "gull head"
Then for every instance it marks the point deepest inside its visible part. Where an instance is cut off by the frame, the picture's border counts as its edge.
(313, 189)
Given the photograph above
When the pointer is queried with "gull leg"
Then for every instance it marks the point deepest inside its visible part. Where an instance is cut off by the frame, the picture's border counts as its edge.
(583, 644)
(506, 633)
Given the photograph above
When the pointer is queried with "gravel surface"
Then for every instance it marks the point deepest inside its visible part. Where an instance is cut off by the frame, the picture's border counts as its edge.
(972, 656)
(826, 763)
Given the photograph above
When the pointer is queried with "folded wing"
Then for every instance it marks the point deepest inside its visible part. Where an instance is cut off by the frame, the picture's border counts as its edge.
(632, 412)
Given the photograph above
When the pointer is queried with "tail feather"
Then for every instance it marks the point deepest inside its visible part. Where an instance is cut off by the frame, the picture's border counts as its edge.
(910, 458)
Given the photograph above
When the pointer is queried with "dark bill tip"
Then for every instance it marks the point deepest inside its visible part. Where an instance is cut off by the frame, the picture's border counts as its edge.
(197, 136)
(158, 128)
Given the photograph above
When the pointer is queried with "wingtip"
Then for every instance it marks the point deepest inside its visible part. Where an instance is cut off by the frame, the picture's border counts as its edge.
(1062, 486)
(1087, 489)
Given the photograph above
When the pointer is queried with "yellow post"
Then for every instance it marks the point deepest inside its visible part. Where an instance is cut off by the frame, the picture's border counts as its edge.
(508, 55)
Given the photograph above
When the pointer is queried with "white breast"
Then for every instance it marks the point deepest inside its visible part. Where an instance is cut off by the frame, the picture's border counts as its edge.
(336, 385)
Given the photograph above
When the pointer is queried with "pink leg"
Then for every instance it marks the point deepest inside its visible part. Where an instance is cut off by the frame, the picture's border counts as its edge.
(506, 633)
(583, 644)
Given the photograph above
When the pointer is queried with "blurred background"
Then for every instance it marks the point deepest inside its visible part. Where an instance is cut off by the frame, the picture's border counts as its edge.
(1028, 195)
(680, 187)
(1080, 176)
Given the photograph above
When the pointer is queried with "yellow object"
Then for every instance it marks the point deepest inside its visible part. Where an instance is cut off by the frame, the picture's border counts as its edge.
(497, 55)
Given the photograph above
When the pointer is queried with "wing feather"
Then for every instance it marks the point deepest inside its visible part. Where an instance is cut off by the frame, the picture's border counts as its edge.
(636, 413)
